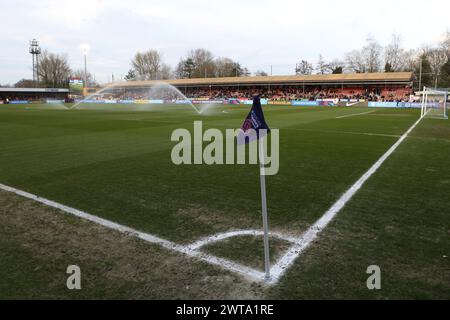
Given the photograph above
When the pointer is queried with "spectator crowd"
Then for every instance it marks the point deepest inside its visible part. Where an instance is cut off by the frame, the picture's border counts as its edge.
(276, 93)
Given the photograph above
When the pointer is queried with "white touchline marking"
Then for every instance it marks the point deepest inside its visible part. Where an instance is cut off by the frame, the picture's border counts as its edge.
(311, 234)
(224, 263)
(193, 250)
(147, 120)
(347, 132)
(355, 114)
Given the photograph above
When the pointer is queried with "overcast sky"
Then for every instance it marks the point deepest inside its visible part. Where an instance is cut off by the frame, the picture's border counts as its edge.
(257, 33)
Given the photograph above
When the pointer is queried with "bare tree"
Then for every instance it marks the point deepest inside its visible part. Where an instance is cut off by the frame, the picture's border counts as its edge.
(368, 59)
(322, 66)
(437, 58)
(372, 55)
(166, 72)
(54, 70)
(204, 63)
(356, 62)
(394, 54)
(225, 67)
(200, 63)
(24, 83)
(147, 65)
(410, 60)
(446, 44)
(304, 67)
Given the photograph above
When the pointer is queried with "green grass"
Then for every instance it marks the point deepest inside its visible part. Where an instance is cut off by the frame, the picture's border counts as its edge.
(115, 163)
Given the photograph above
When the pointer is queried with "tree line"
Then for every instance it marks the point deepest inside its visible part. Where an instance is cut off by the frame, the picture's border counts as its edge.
(431, 62)
(198, 63)
(54, 71)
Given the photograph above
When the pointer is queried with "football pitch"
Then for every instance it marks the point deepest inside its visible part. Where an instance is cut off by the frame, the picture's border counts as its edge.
(114, 162)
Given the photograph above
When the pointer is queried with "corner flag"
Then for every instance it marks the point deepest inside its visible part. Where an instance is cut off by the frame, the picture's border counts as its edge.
(254, 122)
(255, 128)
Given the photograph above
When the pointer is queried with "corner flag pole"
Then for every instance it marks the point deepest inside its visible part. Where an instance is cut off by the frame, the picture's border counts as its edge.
(262, 175)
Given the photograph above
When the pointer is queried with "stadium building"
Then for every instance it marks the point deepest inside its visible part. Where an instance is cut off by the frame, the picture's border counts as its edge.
(32, 95)
(363, 87)
(396, 86)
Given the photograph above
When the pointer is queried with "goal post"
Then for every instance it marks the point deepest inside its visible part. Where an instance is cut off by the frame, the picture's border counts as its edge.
(435, 103)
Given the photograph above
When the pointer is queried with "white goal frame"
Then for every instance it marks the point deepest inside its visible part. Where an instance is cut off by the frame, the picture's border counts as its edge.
(427, 106)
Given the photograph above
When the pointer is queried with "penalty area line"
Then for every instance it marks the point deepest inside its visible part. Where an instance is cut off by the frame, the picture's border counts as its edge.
(312, 233)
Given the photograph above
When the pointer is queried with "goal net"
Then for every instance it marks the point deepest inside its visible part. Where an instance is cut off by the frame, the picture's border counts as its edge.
(435, 103)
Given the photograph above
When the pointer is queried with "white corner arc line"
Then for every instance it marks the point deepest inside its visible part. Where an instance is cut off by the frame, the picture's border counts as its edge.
(311, 234)
(355, 114)
(247, 272)
(239, 233)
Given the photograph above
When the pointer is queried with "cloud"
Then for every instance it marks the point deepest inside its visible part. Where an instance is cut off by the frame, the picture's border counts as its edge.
(71, 14)
(256, 33)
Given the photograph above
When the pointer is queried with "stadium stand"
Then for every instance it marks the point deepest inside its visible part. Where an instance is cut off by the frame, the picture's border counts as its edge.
(389, 87)
(369, 86)
(32, 95)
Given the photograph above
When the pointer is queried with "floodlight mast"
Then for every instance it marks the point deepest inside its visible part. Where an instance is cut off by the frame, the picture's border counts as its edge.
(35, 51)
(85, 49)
